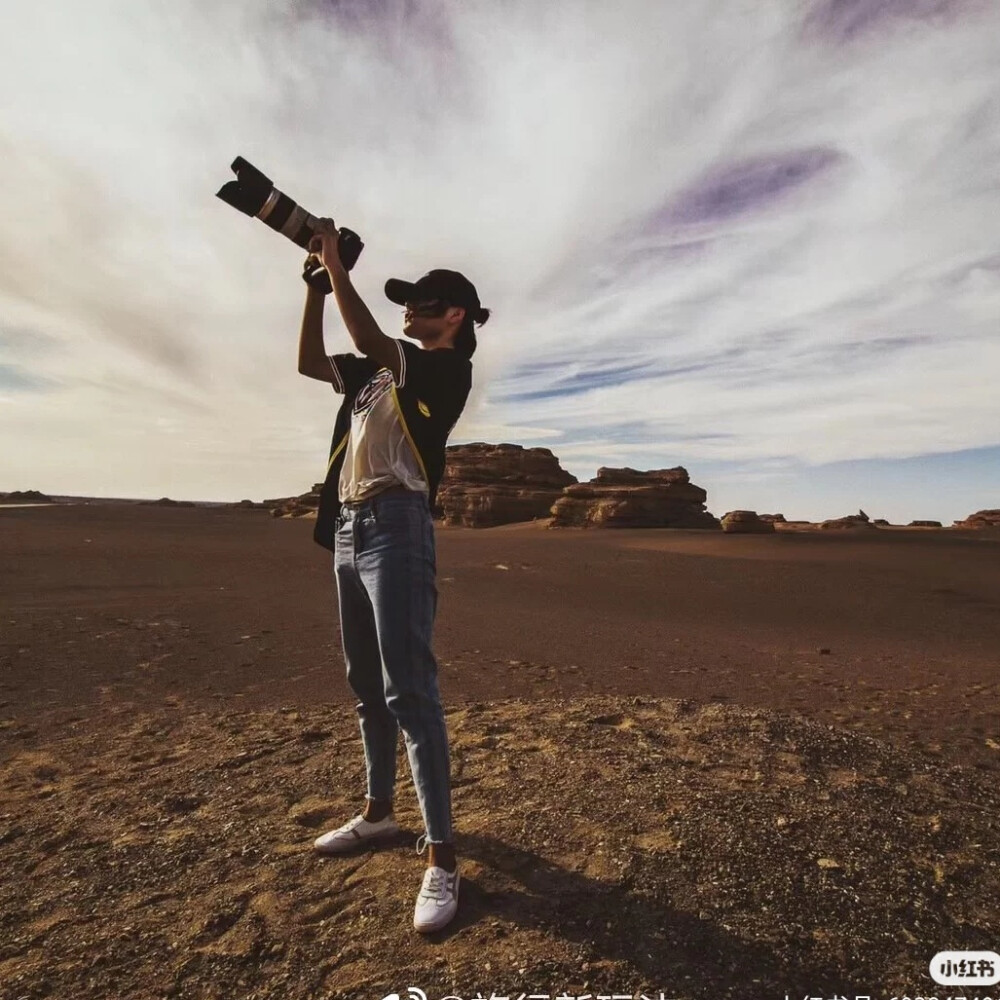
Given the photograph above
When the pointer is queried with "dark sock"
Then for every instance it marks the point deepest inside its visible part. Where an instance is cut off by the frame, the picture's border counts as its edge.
(374, 810)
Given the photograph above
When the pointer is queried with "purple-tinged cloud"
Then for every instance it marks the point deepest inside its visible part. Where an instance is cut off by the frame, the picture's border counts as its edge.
(751, 185)
(843, 21)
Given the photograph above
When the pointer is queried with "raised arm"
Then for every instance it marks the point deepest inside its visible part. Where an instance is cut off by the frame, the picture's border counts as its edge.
(313, 360)
(360, 323)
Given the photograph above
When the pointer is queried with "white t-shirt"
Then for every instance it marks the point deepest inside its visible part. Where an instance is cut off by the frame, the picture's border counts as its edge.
(378, 453)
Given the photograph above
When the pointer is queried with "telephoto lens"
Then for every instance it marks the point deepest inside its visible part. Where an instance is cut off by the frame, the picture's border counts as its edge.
(254, 194)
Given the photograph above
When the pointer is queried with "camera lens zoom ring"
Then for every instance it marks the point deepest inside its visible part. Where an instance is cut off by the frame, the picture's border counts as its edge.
(268, 207)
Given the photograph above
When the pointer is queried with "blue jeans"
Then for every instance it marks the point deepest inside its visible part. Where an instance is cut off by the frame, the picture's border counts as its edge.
(385, 566)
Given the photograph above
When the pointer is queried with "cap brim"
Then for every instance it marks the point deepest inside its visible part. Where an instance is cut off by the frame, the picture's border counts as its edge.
(399, 291)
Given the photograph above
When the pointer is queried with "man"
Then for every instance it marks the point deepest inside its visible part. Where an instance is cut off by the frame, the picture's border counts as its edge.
(401, 401)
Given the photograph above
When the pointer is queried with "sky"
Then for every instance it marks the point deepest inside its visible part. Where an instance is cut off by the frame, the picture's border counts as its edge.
(755, 238)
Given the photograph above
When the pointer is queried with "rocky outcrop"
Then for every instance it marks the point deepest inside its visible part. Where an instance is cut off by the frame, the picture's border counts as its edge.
(489, 484)
(779, 518)
(925, 524)
(859, 520)
(305, 505)
(25, 496)
(981, 519)
(881, 522)
(167, 502)
(627, 498)
(746, 522)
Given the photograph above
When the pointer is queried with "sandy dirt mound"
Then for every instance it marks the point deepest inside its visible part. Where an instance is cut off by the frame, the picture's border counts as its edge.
(607, 845)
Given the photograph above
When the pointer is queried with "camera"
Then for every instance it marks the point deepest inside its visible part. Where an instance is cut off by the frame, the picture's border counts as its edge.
(254, 194)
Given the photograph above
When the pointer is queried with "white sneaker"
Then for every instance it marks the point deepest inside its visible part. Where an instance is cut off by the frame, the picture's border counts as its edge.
(356, 831)
(437, 900)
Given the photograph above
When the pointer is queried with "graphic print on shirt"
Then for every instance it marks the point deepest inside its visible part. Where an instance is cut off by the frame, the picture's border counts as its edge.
(372, 391)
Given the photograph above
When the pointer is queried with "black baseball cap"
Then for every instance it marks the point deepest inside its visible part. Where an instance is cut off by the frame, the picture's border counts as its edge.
(451, 286)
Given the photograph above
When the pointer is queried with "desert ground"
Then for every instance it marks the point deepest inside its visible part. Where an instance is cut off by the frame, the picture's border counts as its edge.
(684, 763)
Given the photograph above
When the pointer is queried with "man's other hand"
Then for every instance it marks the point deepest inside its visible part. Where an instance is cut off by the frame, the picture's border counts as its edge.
(325, 244)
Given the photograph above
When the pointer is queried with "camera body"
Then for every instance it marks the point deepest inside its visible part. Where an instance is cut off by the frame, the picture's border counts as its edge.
(254, 194)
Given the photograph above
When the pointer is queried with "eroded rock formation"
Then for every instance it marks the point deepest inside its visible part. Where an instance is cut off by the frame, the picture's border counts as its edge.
(628, 498)
(746, 522)
(167, 502)
(859, 520)
(981, 519)
(300, 506)
(25, 496)
(489, 484)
